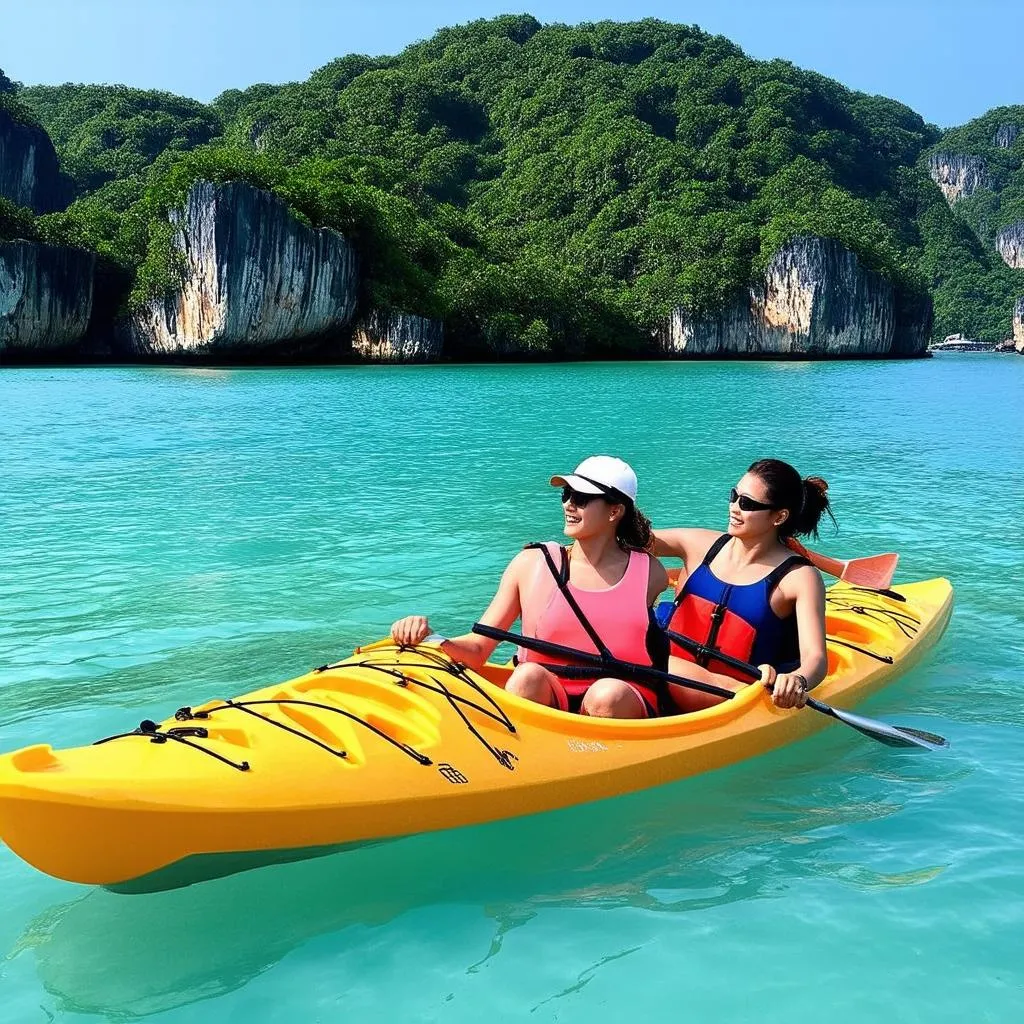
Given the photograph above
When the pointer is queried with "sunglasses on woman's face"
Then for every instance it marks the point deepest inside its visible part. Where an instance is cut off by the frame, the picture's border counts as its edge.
(578, 498)
(746, 503)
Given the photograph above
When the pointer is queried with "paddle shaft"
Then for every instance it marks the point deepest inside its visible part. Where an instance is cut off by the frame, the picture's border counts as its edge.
(876, 730)
(627, 668)
(695, 647)
(833, 566)
(880, 731)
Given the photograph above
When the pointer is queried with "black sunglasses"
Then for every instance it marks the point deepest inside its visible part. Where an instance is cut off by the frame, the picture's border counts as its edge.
(747, 504)
(578, 498)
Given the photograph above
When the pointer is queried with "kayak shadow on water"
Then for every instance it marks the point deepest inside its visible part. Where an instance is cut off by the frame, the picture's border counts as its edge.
(683, 847)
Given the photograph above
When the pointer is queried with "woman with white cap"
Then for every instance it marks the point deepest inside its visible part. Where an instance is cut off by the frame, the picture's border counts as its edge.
(594, 596)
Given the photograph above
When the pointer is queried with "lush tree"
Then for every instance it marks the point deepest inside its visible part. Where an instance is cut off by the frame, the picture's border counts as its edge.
(567, 185)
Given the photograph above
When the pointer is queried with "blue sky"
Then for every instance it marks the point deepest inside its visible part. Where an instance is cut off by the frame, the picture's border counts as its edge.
(948, 59)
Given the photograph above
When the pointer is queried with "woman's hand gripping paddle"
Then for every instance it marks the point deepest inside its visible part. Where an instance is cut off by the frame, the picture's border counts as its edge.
(891, 735)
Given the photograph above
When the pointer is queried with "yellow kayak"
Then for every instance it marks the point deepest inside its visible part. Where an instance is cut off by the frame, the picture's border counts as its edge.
(392, 742)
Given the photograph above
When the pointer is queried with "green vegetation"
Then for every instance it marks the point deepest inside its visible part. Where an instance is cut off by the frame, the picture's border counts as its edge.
(973, 289)
(10, 102)
(16, 222)
(539, 187)
(990, 209)
(107, 132)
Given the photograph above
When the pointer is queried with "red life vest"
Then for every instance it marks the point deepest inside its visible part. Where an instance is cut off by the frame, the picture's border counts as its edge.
(736, 619)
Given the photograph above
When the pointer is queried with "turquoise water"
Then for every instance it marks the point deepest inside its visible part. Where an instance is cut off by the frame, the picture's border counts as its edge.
(173, 534)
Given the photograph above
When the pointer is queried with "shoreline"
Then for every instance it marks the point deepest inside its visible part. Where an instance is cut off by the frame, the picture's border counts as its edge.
(534, 360)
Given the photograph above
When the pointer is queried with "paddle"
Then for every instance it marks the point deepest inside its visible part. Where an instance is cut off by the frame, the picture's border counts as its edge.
(893, 736)
(874, 572)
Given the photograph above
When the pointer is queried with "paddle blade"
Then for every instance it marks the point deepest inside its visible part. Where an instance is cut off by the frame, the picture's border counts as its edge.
(927, 737)
(875, 572)
(890, 735)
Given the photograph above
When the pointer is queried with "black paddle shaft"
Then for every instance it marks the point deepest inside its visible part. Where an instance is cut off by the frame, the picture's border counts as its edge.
(891, 735)
(696, 648)
(613, 665)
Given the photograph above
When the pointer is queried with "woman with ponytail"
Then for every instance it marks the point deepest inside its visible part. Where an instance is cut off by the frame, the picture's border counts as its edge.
(593, 596)
(747, 594)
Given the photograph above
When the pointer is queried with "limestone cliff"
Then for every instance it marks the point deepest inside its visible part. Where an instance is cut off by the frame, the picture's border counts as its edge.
(45, 297)
(815, 301)
(1018, 325)
(29, 171)
(398, 338)
(1006, 136)
(255, 280)
(1010, 243)
(958, 175)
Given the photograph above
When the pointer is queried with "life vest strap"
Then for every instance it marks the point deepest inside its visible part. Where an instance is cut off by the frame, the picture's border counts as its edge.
(562, 580)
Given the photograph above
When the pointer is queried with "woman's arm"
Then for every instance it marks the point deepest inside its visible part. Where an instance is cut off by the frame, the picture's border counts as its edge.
(808, 590)
(688, 543)
(471, 648)
(657, 581)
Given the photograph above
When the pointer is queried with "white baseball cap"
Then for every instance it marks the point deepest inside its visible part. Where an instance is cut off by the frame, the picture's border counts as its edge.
(599, 474)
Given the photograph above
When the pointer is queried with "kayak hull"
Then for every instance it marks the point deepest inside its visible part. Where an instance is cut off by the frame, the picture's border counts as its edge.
(394, 742)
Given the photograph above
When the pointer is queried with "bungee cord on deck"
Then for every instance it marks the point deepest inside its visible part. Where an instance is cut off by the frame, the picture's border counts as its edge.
(436, 662)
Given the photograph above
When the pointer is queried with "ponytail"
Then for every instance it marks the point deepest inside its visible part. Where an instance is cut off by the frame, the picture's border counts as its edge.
(805, 500)
(815, 505)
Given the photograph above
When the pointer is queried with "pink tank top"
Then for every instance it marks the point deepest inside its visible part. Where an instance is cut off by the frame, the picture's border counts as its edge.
(619, 614)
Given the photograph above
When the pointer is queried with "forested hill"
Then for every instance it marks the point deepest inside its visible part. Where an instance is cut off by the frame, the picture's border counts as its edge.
(546, 182)
(980, 168)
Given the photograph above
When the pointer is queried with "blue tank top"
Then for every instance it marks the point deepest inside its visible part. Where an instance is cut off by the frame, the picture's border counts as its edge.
(776, 642)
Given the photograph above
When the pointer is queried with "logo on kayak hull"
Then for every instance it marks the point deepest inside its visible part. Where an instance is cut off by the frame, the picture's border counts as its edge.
(452, 774)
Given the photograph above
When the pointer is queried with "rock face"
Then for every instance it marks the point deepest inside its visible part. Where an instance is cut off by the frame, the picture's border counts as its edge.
(815, 301)
(1018, 325)
(958, 175)
(45, 297)
(29, 171)
(1010, 243)
(256, 281)
(398, 338)
(1006, 136)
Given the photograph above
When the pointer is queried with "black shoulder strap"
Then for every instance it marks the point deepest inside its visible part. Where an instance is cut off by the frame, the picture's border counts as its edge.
(562, 579)
(774, 578)
(716, 546)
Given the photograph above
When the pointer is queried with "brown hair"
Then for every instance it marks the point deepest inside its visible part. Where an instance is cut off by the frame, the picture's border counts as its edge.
(633, 531)
(806, 500)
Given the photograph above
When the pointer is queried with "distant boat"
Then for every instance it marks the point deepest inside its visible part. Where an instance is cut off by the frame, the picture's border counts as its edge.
(958, 343)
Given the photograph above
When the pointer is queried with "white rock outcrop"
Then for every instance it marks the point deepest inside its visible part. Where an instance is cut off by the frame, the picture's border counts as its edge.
(46, 295)
(815, 301)
(398, 338)
(957, 174)
(1006, 136)
(1010, 244)
(256, 280)
(1018, 325)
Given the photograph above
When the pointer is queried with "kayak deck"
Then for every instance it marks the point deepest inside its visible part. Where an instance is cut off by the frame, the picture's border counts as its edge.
(393, 741)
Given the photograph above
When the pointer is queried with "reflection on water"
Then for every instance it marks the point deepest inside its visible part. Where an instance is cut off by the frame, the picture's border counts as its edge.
(743, 834)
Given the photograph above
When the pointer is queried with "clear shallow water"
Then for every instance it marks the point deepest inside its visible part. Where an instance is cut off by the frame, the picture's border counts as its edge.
(174, 534)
